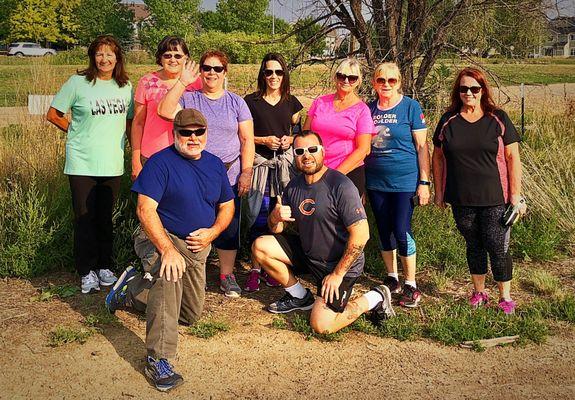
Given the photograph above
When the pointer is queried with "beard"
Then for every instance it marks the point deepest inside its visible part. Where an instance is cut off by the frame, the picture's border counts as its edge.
(183, 149)
(310, 170)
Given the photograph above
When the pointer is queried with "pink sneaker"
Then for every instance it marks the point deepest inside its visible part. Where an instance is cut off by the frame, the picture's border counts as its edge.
(507, 306)
(271, 282)
(253, 282)
(478, 299)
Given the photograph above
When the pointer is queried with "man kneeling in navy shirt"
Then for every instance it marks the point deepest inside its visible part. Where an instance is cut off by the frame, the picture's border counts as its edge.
(184, 202)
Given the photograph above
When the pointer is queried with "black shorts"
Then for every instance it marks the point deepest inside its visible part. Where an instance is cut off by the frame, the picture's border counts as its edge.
(301, 265)
(357, 176)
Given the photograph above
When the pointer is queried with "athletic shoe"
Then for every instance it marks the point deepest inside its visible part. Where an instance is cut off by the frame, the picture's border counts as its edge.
(392, 284)
(271, 282)
(230, 287)
(411, 297)
(478, 299)
(507, 306)
(90, 283)
(117, 296)
(162, 374)
(288, 303)
(384, 309)
(253, 282)
(106, 277)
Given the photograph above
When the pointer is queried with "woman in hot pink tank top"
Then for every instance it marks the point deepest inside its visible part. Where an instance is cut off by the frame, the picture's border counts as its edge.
(150, 132)
(344, 123)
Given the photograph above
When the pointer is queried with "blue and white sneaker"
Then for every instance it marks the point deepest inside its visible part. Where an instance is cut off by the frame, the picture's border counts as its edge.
(162, 374)
(117, 296)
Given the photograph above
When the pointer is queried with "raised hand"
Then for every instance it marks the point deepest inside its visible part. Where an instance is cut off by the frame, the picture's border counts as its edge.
(189, 73)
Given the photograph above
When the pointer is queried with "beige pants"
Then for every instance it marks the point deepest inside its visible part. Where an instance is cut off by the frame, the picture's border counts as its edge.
(167, 302)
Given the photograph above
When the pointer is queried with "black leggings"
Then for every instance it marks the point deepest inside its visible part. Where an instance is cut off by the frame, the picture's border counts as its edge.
(485, 234)
(93, 201)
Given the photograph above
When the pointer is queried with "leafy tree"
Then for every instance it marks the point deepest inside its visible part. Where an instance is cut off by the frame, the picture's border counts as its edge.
(7, 7)
(310, 35)
(99, 17)
(170, 17)
(243, 15)
(34, 20)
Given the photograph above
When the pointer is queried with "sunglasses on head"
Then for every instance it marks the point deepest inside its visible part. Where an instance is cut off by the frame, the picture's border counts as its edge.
(168, 56)
(382, 81)
(190, 132)
(270, 72)
(350, 78)
(217, 68)
(310, 149)
(474, 89)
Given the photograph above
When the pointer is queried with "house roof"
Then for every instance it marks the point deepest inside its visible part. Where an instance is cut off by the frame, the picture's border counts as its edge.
(563, 25)
(141, 11)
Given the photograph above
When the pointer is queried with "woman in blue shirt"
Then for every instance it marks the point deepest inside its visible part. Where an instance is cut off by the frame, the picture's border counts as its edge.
(397, 176)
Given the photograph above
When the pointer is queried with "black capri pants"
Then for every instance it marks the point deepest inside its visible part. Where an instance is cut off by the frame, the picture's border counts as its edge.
(485, 234)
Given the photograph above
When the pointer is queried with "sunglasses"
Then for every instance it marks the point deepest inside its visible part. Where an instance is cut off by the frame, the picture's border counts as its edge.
(350, 78)
(390, 81)
(217, 68)
(311, 150)
(474, 89)
(270, 72)
(168, 56)
(190, 132)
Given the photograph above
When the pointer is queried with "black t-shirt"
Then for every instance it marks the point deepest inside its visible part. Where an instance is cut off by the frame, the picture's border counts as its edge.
(271, 120)
(476, 170)
(323, 211)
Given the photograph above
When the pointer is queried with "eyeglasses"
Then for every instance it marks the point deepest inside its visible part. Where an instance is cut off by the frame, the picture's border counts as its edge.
(350, 78)
(474, 89)
(190, 132)
(270, 72)
(217, 68)
(168, 56)
(390, 81)
(311, 150)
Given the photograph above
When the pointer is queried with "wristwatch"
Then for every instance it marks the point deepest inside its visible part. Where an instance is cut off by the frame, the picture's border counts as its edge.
(425, 183)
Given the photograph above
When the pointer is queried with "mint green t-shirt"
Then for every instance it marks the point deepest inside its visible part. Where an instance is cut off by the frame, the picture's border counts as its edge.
(96, 135)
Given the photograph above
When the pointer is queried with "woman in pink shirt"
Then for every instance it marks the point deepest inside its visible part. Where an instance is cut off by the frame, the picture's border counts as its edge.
(344, 123)
(150, 132)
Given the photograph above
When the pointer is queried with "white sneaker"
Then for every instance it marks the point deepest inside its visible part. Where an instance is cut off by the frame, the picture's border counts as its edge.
(90, 283)
(106, 277)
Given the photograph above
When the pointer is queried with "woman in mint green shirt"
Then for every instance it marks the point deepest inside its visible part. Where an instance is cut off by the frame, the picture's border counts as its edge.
(100, 100)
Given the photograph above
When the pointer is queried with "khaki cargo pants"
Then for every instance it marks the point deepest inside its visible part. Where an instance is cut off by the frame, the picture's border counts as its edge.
(165, 303)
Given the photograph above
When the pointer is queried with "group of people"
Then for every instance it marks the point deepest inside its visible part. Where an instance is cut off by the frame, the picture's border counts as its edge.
(198, 148)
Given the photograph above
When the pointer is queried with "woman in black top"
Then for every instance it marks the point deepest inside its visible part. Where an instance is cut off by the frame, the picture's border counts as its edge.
(274, 111)
(477, 169)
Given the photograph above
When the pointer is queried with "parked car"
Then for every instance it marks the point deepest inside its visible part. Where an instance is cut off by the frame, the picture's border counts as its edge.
(21, 49)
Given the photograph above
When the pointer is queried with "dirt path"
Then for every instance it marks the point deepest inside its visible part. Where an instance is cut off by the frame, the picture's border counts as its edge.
(255, 360)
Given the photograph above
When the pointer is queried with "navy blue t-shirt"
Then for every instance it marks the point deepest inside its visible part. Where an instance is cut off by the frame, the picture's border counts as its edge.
(392, 165)
(188, 191)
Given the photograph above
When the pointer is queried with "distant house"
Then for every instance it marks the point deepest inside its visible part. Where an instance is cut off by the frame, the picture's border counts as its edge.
(561, 42)
(141, 14)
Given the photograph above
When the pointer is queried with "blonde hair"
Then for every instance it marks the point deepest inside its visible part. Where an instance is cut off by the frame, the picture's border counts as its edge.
(354, 65)
(388, 66)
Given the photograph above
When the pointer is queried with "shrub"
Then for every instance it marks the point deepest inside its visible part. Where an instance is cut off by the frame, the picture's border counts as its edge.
(207, 329)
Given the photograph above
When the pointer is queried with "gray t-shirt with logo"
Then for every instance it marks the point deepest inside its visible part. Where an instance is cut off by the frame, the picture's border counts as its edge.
(323, 211)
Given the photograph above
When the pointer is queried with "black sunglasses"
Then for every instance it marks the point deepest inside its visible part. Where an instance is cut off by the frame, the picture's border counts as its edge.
(350, 78)
(474, 89)
(391, 81)
(190, 132)
(217, 68)
(311, 150)
(168, 56)
(270, 72)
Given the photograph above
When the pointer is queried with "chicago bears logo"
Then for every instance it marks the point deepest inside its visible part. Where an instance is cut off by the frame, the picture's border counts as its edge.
(307, 207)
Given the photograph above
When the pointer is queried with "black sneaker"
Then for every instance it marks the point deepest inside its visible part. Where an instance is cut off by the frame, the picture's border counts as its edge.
(392, 284)
(384, 310)
(289, 303)
(410, 297)
(162, 374)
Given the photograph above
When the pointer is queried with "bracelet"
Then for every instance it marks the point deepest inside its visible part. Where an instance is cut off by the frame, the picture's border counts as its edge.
(425, 183)
(182, 83)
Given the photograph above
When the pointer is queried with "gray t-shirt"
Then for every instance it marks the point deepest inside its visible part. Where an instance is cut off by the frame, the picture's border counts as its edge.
(223, 116)
(323, 211)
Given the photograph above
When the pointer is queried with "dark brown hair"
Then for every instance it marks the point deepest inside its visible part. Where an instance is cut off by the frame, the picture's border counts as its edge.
(170, 43)
(285, 85)
(119, 74)
(220, 55)
(487, 103)
(307, 133)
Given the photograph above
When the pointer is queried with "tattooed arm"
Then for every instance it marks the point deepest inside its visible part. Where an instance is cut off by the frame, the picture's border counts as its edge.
(358, 237)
